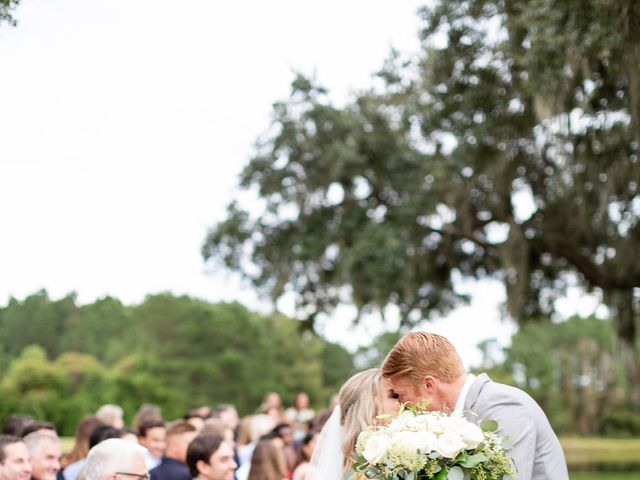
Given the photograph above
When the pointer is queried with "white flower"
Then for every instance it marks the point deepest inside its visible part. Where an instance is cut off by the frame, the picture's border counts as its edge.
(435, 424)
(471, 434)
(376, 447)
(411, 441)
(399, 423)
(449, 444)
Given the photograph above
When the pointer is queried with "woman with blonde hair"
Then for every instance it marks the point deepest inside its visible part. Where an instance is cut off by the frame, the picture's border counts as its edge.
(362, 399)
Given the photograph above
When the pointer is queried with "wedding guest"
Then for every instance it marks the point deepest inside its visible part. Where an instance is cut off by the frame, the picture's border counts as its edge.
(260, 425)
(14, 459)
(267, 462)
(14, 424)
(115, 458)
(210, 457)
(81, 445)
(300, 415)
(284, 432)
(219, 427)
(173, 465)
(92, 428)
(426, 366)
(46, 428)
(228, 414)
(44, 453)
(304, 455)
(146, 413)
(100, 434)
(152, 435)
(272, 405)
(112, 415)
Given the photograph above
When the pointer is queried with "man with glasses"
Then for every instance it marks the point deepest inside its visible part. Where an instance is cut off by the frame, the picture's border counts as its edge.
(116, 459)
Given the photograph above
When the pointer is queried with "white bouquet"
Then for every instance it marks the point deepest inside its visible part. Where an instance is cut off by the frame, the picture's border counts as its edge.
(417, 445)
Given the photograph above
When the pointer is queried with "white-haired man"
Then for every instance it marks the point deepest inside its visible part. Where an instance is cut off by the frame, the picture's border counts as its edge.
(44, 449)
(116, 459)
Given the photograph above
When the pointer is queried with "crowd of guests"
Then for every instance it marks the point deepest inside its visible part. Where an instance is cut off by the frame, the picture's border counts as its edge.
(207, 443)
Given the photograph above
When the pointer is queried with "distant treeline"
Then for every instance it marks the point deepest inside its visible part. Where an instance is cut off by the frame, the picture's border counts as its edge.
(60, 360)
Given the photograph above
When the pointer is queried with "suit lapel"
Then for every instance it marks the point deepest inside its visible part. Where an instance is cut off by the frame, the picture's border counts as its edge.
(474, 391)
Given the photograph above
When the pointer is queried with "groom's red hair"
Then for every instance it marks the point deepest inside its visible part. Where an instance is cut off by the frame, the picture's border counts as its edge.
(420, 354)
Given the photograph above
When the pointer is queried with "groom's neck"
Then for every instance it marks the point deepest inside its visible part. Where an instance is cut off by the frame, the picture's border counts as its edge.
(452, 391)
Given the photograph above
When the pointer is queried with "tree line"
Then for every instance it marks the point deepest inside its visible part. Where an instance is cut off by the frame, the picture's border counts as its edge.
(61, 360)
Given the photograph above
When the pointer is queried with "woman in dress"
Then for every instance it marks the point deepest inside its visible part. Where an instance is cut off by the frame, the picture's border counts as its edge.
(363, 398)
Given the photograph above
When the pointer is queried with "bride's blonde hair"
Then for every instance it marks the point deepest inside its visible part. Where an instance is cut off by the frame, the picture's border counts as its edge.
(360, 404)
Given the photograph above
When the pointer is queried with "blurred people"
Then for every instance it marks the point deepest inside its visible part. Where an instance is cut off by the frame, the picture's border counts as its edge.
(228, 414)
(210, 457)
(14, 424)
(99, 434)
(300, 415)
(14, 459)
(272, 405)
(44, 453)
(128, 434)
(117, 459)
(112, 415)
(267, 462)
(46, 428)
(81, 446)
(219, 427)
(146, 413)
(284, 432)
(304, 455)
(259, 426)
(153, 436)
(173, 465)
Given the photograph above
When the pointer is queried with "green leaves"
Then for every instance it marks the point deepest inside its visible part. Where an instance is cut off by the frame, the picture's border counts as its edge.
(176, 352)
(489, 425)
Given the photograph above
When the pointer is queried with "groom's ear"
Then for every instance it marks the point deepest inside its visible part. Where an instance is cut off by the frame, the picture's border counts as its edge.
(430, 383)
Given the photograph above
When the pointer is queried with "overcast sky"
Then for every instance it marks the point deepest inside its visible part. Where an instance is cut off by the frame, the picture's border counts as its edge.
(124, 125)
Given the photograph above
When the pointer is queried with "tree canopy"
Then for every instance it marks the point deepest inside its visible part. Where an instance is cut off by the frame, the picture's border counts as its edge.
(508, 149)
(6, 7)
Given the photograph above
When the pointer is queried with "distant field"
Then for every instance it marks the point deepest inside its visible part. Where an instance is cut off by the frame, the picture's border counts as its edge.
(605, 476)
(584, 451)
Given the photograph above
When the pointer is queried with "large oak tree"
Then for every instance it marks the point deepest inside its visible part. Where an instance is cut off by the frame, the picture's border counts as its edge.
(507, 149)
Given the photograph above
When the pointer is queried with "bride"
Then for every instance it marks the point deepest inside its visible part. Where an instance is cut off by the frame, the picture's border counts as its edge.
(363, 397)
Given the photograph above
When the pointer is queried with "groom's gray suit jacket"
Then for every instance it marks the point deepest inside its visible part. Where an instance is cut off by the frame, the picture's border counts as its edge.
(536, 450)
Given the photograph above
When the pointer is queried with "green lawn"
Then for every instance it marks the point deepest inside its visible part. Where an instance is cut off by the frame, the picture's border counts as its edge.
(605, 476)
(581, 451)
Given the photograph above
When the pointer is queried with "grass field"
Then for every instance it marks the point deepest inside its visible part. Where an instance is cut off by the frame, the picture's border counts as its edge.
(582, 451)
(605, 476)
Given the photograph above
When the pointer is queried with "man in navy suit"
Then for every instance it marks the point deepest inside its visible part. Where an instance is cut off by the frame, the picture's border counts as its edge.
(174, 462)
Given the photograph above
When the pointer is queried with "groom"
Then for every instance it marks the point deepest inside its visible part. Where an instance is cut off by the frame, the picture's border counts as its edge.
(425, 366)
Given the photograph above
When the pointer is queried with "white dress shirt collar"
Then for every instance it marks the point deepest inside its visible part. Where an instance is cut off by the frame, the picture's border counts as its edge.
(459, 409)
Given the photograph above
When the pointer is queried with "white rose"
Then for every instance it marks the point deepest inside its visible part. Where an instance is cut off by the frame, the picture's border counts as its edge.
(435, 424)
(399, 423)
(471, 434)
(376, 448)
(409, 442)
(449, 444)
